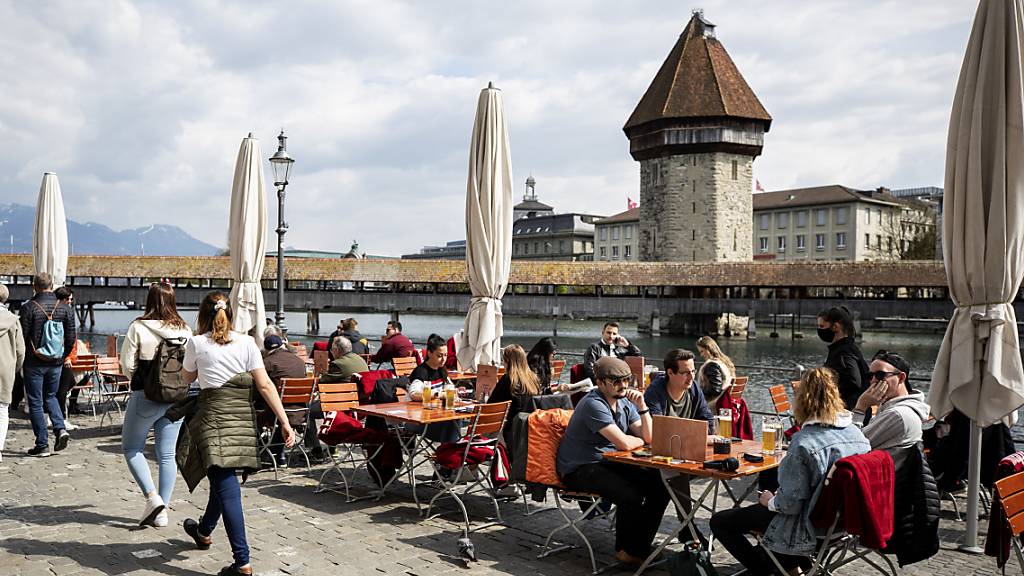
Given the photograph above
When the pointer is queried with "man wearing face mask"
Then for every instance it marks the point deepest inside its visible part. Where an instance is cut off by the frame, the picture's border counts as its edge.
(611, 344)
(835, 327)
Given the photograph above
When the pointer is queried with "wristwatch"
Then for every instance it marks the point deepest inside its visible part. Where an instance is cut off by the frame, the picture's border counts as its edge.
(644, 411)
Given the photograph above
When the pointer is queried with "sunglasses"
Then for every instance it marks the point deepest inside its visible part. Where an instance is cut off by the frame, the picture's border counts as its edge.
(879, 375)
(624, 381)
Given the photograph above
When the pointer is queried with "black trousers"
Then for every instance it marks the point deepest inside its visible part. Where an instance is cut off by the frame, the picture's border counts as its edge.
(731, 527)
(639, 494)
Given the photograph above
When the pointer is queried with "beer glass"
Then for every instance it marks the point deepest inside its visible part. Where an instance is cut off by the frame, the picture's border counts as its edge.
(725, 423)
(449, 397)
(427, 395)
(769, 434)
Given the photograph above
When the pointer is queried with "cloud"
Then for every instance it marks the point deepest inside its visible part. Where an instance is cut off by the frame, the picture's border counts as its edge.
(140, 107)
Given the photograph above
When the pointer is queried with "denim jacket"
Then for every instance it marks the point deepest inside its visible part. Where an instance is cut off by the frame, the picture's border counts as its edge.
(801, 474)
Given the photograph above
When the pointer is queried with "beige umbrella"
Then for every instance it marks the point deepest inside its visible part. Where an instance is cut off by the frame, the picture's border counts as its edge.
(488, 231)
(979, 370)
(247, 238)
(50, 232)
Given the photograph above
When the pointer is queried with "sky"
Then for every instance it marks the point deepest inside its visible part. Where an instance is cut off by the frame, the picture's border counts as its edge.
(140, 107)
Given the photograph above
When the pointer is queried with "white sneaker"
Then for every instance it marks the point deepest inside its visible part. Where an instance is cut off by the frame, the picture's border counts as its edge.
(154, 506)
(69, 426)
(161, 519)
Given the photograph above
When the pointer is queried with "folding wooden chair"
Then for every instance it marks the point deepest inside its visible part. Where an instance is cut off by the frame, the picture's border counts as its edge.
(780, 401)
(404, 366)
(85, 364)
(296, 394)
(301, 352)
(1011, 496)
(557, 366)
(321, 360)
(739, 384)
(114, 388)
(338, 398)
(484, 434)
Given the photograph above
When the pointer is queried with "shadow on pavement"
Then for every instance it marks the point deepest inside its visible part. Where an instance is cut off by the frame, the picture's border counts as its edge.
(114, 558)
(43, 515)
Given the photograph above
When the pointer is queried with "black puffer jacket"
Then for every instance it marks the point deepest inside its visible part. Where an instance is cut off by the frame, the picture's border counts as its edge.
(916, 511)
(847, 361)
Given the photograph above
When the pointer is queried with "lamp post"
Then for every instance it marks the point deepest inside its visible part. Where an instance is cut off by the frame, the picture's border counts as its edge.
(282, 164)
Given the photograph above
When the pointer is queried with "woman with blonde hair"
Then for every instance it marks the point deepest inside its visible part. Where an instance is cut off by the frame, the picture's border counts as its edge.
(827, 434)
(717, 373)
(519, 384)
(221, 437)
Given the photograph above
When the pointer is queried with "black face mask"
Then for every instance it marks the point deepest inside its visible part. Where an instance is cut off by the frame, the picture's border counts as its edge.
(826, 335)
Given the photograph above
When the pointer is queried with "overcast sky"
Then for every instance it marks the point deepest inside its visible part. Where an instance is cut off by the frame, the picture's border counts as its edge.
(140, 106)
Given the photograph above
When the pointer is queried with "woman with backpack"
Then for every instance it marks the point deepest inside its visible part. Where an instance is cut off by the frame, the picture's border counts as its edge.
(146, 333)
(220, 439)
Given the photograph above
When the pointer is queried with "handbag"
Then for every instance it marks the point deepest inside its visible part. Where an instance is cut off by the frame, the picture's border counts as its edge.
(692, 560)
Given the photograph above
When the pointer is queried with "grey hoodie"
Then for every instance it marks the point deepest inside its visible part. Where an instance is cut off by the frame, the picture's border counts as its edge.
(897, 425)
(12, 352)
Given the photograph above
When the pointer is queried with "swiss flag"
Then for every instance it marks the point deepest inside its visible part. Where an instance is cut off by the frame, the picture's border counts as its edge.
(630, 204)
(758, 186)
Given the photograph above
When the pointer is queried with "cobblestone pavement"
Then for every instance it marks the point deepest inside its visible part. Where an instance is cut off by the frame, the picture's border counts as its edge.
(76, 513)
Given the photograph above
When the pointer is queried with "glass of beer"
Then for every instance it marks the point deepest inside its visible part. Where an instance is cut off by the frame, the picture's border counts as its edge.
(769, 433)
(427, 395)
(449, 397)
(725, 423)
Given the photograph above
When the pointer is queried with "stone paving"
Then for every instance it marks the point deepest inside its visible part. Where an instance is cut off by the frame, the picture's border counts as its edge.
(76, 513)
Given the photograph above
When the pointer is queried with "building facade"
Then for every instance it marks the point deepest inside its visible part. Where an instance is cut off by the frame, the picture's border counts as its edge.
(554, 237)
(617, 237)
(837, 223)
(696, 132)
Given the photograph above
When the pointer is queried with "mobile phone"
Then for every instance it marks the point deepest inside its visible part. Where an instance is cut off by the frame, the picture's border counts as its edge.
(753, 457)
(641, 454)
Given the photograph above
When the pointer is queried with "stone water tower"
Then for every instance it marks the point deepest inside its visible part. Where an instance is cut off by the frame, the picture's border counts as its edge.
(696, 132)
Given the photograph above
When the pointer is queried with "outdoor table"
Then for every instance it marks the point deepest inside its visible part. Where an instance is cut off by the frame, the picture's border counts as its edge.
(717, 477)
(413, 412)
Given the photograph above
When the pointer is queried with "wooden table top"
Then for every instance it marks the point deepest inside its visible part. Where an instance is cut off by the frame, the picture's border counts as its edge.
(414, 413)
(696, 468)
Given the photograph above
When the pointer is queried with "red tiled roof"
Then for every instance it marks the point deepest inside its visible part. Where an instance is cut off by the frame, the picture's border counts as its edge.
(631, 215)
(697, 80)
(833, 194)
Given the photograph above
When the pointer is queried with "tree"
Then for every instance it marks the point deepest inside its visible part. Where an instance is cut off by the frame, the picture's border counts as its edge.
(908, 231)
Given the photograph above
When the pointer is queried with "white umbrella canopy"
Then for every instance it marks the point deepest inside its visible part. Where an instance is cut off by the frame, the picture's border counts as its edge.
(50, 232)
(978, 370)
(488, 231)
(247, 238)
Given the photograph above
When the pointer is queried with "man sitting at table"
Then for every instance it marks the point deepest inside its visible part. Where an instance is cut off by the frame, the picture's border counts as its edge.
(432, 373)
(673, 394)
(611, 344)
(393, 344)
(614, 417)
(345, 364)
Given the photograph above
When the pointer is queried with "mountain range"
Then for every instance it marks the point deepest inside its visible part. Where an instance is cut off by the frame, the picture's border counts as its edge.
(16, 223)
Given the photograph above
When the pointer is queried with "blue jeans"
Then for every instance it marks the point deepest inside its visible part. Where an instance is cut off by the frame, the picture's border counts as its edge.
(226, 501)
(141, 416)
(41, 383)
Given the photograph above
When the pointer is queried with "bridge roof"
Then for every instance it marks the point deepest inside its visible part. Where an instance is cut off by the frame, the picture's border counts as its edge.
(754, 274)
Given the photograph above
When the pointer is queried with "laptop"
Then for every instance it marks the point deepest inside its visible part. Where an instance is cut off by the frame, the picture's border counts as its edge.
(679, 438)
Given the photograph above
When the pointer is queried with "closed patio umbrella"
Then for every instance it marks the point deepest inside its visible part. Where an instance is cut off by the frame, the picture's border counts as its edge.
(488, 231)
(979, 370)
(247, 239)
(50, 232)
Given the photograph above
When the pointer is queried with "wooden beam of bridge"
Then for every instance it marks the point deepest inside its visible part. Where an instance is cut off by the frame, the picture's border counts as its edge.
(907, 274)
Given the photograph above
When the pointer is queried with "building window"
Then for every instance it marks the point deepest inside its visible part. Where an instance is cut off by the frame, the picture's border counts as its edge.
(561, 248)
(547, 248)
(842, 214)
(764, 244)
(868, 212)
(615, 252)
(615, 232)
(655, 172)
(604, 253)
(781, 244)
(819, 242)
(801, 243)
(889, 239)
(820, 217)
(801, 219)
(627, 251)
(879, 213)
(536, 249)
(735, 170)
(841, 240)
(764, 221)
(867, 238)
(603, 234)
(628, 231)
(878, 241)
(782, 219)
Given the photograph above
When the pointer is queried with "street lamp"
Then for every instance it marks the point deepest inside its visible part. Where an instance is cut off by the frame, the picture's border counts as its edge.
(282, 164)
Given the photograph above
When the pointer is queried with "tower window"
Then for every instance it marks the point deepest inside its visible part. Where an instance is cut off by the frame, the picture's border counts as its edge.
(735, 170)
(694, 160)
(694, 207)
(694, 234)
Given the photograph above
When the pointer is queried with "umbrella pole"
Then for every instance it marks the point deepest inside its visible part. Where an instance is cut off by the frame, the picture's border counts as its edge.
(970, 544)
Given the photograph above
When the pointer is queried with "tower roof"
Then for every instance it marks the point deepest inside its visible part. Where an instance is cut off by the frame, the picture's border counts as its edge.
(698, 80)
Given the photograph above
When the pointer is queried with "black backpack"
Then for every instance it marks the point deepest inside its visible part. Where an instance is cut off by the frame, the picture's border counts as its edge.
(165, 380)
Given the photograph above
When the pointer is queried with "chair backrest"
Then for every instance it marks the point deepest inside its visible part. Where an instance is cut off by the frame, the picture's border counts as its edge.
(108, 364)
(557, 366)
(404, 366)
(780, 400)
(84, 362)
(320, 362)
(795, 385)
(112, 345)
(576, 373)
(297, 390)
(1011, 496)
(739, 384)
(546, 428)
(490, 418)
(338, 396)
(301, 352)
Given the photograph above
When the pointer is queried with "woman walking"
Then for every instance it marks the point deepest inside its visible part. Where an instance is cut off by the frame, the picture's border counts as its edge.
(221, 436)
(159, 322)
(835, 326)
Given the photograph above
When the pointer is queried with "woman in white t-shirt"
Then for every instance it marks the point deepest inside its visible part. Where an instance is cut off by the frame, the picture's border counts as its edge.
(220, 358)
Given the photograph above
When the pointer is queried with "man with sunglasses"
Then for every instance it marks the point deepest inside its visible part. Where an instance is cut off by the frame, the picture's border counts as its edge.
(896, 423)
(614, 416)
